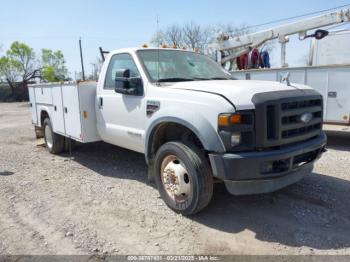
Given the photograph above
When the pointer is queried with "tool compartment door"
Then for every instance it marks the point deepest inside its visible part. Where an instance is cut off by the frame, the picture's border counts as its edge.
(31, 91)
(57, 111)
(71, 112)
(338, 95)
(87, 98)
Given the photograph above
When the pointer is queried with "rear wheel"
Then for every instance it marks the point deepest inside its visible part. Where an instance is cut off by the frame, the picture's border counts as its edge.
(183, 177)
(54, 142)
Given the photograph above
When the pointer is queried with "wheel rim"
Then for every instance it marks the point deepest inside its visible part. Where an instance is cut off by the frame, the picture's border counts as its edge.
(48, 136)
(175, 179)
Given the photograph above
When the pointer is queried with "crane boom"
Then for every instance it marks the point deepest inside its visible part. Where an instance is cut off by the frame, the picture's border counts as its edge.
(239, 45)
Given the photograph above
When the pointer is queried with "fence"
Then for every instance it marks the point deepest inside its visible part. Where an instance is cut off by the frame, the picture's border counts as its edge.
(19, 94)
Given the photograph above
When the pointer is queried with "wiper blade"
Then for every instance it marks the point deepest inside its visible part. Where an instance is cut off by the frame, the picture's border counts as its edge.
(220, 78)
(213, 78)
(174, 79)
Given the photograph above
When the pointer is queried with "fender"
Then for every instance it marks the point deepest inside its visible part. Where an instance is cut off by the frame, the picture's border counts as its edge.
(40, 109)
(197, 123)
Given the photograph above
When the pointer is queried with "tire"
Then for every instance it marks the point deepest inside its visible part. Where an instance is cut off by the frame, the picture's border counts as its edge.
(183, 177)
(54, 142)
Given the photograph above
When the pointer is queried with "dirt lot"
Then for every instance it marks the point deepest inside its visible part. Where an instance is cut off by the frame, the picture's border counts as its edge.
(99, 201)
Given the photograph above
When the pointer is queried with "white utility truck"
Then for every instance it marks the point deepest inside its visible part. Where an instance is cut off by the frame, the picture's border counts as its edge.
(193, 122)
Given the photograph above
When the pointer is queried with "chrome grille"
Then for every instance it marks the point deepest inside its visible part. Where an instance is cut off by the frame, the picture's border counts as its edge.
(291, 124)
(278, 117)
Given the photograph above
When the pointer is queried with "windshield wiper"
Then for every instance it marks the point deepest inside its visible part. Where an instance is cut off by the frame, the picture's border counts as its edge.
(220, 78)
(181, 79)
(214, 78)
(174, 79)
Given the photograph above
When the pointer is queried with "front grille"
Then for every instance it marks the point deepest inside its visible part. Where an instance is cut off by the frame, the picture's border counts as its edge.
(300, 131)
(292, 126)
(279, 118)
(301, 104)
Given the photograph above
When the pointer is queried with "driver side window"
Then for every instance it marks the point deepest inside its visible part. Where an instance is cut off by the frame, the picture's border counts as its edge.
(119, 61)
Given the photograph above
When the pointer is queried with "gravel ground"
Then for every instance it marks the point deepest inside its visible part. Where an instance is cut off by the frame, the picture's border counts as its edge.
(98, 201)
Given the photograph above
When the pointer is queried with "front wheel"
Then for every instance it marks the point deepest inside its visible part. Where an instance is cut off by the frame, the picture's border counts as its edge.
(183, 177)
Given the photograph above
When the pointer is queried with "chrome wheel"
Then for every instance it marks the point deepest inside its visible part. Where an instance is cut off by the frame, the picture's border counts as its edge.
(48, 136)
(175, 179)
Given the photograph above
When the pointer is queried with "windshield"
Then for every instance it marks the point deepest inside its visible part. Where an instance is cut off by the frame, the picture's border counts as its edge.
(176, 66)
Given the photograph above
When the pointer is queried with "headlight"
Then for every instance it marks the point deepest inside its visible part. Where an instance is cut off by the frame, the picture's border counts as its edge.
(237, 130)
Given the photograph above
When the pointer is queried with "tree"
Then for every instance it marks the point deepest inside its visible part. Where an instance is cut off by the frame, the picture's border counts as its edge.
(174, 36)
(231, 30)
(53, 65)
(9, 71)
(96, 68)
(158, 38)
(23, 57)
(192, 35)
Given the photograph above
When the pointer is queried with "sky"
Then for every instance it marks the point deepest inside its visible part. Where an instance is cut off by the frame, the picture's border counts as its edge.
(115, 24)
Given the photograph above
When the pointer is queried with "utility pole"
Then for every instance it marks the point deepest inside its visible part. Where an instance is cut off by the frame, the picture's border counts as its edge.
(81, 59)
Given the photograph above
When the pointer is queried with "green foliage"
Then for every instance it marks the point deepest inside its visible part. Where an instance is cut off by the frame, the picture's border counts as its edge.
(19, 66)
(23, 57)
(48, 73)
(53, 65)
(9, 69)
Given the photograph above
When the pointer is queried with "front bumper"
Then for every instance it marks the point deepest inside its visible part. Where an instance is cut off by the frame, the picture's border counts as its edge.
(266, 171)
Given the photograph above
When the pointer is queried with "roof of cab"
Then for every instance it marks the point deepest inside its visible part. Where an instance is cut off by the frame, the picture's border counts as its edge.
(135, 49)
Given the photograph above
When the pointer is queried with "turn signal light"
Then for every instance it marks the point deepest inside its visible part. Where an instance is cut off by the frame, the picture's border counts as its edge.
(235, 119)
(227, 119)
(223, 120)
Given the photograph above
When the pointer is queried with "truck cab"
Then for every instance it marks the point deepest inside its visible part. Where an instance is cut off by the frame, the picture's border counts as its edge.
(195, 124)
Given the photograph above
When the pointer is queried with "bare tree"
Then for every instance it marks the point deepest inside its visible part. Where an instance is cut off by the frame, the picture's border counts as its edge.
(96, 68)
(233, 31)
(192, 35)
(158, 38)
(196, 37)
(174, 36)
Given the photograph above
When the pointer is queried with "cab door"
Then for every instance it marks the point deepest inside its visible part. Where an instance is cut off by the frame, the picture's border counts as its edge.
(121, 117)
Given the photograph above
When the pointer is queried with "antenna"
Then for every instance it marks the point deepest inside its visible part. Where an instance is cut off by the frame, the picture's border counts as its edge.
(158, 44)
(81, 60)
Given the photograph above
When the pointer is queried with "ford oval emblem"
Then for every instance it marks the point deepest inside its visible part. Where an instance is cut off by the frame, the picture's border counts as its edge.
(306, 117)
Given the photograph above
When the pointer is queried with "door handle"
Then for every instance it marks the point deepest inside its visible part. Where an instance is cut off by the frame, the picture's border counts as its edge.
(100, 102)
(65, 110)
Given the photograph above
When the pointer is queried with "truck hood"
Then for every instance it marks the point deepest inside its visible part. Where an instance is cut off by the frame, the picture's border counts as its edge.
(238, 92)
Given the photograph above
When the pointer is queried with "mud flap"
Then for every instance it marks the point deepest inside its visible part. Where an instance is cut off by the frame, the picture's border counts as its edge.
(151, 171)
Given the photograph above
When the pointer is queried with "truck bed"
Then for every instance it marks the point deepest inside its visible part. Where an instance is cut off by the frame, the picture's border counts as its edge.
(70, 106)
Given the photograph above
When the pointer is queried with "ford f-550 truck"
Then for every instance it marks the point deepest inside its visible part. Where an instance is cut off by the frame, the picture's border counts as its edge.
(194, 123)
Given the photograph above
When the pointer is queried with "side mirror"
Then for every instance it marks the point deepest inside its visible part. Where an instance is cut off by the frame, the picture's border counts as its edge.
(124, 84)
